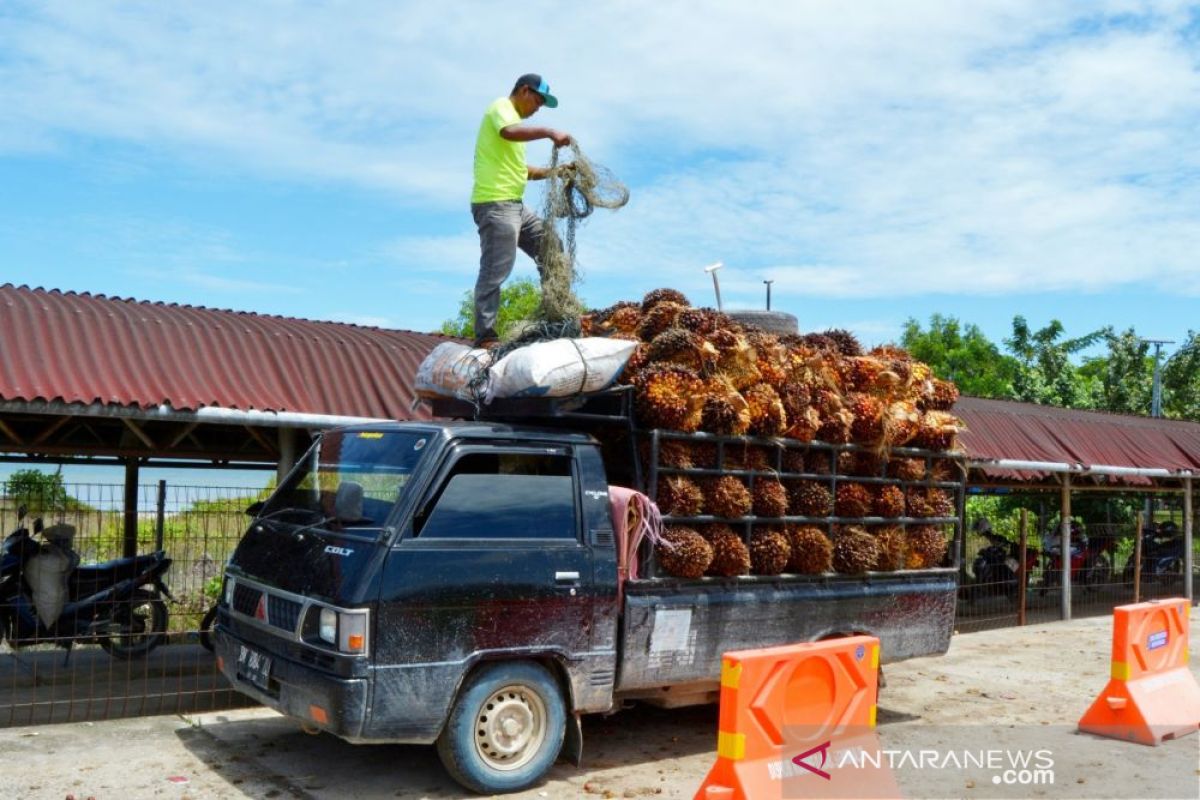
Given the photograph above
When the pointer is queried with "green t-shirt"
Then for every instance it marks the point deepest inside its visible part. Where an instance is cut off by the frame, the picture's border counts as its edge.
(500, 172)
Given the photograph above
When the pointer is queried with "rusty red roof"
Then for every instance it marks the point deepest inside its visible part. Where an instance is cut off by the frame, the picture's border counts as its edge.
(1004, 429)
(82, 348)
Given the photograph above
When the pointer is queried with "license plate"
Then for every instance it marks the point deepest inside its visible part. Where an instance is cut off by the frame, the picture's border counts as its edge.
(254, 667)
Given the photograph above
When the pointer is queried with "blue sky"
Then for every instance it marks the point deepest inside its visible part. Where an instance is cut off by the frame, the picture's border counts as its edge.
(877, 160)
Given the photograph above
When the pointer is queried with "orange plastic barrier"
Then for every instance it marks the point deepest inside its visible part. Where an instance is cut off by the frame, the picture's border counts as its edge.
(799, 721)
(1152, 695)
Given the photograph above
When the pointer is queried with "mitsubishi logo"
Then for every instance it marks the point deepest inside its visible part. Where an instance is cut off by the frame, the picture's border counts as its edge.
(260, 611)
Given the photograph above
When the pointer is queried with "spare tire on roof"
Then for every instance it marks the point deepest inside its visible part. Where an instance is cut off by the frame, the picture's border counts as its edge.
(777, 322)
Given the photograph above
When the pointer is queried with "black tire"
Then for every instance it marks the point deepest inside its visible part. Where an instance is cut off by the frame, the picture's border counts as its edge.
(142, 627)
(777, 322)
(205, 632)
(506, 728)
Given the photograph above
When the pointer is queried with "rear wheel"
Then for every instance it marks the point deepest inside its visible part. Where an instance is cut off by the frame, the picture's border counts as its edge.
(206, 625)
(138, 627)
(506, 728)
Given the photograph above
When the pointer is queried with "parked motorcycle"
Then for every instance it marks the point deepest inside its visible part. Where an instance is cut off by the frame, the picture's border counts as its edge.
(1162, 554)
(46, 597)
(1091, 559)
(997, 566)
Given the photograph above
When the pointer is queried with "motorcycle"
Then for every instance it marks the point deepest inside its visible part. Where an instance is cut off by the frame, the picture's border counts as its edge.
(1091, 559)
(46, 597)
(997, 566)
(1162, 554)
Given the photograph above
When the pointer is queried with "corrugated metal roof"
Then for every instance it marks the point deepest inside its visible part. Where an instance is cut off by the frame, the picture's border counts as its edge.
(1003, 429)
(82, 348)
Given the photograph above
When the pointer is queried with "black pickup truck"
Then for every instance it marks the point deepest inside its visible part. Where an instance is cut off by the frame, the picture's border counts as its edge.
(457, 582)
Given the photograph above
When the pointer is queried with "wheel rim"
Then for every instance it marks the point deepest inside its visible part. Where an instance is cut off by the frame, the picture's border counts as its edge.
(138, 630)
(510, 727)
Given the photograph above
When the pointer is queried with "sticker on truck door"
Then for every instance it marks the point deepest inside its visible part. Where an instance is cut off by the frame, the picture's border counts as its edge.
(671, 630)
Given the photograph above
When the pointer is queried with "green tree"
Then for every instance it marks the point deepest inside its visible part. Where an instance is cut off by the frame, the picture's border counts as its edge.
(961, 353)
(519, 301)
(1181, 380)
(1044, 372)
(38, 491)
(1122, 380)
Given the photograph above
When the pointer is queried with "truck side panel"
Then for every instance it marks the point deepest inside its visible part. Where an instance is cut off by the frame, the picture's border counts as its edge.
(675, 632)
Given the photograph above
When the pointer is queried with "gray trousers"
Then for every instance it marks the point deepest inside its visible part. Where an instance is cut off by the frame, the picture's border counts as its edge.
(503, 227)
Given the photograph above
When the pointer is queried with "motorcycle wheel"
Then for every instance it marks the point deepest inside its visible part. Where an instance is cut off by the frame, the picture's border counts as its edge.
(1097, 572)
(141, 627)
(206, 625)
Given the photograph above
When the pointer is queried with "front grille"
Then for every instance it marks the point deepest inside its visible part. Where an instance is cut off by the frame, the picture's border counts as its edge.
(282, 612)
(245, 599)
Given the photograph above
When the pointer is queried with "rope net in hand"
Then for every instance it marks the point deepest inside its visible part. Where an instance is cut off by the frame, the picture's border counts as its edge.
(574, 189)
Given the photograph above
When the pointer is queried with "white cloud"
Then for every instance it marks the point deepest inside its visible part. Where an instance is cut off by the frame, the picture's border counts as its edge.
(844, 150)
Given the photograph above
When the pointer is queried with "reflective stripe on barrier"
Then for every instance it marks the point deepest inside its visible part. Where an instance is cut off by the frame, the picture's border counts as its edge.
(785, 714)
(1151, 694)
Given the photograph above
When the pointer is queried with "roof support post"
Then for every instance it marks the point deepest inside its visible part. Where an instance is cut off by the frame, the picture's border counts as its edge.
(1065, 558)
(131, 508)
(287, 453)
(1187, 537)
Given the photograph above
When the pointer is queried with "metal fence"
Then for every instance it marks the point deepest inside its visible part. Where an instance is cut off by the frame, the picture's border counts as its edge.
(1101, 577)
(91, 663)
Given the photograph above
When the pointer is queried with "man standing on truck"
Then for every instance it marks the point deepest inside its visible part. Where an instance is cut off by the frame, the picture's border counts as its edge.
(496, 200)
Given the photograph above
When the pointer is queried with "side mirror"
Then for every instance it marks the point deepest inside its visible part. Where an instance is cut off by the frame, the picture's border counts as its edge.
(255, 508)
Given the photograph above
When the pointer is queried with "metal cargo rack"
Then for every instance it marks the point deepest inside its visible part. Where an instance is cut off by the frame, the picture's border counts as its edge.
(611, 412)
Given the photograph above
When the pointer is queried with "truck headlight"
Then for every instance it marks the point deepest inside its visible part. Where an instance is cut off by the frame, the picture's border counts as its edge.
(327, 629)
(230, 583)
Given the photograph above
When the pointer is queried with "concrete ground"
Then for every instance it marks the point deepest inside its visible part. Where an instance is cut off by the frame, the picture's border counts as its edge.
(1000, 693)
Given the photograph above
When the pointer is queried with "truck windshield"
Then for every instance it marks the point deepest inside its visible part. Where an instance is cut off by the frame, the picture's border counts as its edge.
(348, 479)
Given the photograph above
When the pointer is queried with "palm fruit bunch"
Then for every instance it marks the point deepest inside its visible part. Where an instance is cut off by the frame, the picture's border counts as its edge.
(892, 544)
(727, 497)
(926, 502)
(812, 552)
(810, 499)
(706, 320)
(868, 464)
(937, 430)
(907, 469)
(683, 552)
(770, 357)
(769, 498)
(671, 453)
(748, 456)
(844, 341)
(937, 395)
(665, 396)
(853, 500)
(730, 554)
(735, 358)
(926, 547)
(679, 346)
(868, 411)
(769, 550)
(944, 470)
(854, 550)
(767, 417)
(657, 319)
(793, 460)
(656, 297)
(623, 317)
(901, 423)
(724, 411)
(679, 496)
(888, 501)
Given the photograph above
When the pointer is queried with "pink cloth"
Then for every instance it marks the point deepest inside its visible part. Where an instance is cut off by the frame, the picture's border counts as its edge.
(648, 525)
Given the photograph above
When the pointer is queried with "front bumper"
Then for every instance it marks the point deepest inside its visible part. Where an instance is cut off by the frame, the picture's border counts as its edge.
(334, 704)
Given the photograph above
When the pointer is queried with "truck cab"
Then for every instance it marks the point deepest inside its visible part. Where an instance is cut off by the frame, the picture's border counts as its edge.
(402, 567)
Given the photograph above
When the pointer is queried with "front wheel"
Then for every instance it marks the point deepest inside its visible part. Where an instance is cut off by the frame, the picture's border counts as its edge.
(506, 728)
(138, 627)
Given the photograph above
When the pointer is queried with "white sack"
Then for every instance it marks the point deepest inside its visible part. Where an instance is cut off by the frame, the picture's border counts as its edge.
(449, 370)
(46, 574)
(559, 368)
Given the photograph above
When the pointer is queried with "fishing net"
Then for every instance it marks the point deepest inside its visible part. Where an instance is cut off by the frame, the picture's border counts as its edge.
(574, 189)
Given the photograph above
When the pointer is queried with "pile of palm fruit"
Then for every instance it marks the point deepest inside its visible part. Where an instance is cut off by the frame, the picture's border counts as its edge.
(699, 370)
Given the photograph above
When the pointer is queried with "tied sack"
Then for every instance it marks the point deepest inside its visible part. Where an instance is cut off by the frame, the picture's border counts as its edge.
(46, 573)
(559, 368)
(450, 370)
